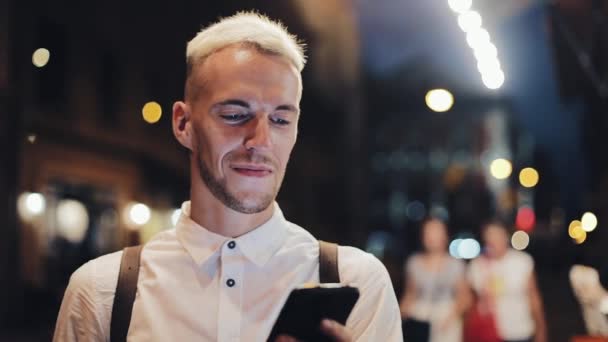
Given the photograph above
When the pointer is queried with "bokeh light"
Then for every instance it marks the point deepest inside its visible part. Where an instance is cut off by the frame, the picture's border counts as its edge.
(589, 222)
(41, 57)
(493, 80)
(460, 6)
(501, 168)
(520, 240)
(152, 112)
(469, 249)
(137, 214)
(581, 238)
(525, 219)
(488, 66)
(72, 220)
(469, 21)
(575, 230)
(528, 177)
(30, 205)
(478, 38)
(439, 100)
(485, 51)
(453, 249)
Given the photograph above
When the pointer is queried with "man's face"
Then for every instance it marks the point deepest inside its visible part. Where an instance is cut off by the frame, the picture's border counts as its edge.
(244, 122)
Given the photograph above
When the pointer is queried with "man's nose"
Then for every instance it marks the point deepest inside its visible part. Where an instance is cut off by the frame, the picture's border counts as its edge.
(259, 134)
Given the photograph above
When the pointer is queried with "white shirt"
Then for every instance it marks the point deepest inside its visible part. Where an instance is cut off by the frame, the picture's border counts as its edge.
(507, 280)
(183, 292)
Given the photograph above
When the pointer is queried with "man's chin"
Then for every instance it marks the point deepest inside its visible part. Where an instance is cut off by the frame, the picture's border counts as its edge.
(252, 203)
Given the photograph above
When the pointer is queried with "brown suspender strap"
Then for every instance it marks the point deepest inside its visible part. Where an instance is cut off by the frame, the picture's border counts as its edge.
(126, 288)
(328, 262)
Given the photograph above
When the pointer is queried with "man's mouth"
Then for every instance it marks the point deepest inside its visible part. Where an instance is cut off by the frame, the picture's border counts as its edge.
(252, 170)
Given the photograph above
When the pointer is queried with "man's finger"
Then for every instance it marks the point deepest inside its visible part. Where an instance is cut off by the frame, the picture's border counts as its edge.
(335, 330)
(285, 338)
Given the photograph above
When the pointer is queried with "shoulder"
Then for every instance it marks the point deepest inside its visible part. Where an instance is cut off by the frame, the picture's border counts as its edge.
(97, 272)
(376, 315)
(520, 257)
(87, 302)
(520, 260)
(357, 266)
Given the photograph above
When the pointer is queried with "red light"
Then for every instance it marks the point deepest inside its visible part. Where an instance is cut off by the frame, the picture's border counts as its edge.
(526, 219)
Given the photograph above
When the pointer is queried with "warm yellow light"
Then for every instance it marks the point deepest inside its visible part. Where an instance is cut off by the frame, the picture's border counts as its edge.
(528, 177)
(439, 100)
(520, 240)
(589, 222)
(501, 168)
(460, 6)
(575, 229)
(581, 238)
(41, 57)
(469, 21)
(152, 112)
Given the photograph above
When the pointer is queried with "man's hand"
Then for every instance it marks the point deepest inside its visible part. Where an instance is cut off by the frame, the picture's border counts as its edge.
(336, 330)
(331, 328)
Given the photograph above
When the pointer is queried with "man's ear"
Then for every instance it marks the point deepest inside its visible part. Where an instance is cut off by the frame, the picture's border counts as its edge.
(182, 126)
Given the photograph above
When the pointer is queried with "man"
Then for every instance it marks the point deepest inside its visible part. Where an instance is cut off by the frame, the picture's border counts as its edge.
(224, 272)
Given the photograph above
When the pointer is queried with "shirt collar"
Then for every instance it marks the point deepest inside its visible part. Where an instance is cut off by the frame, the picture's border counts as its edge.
(259, 245)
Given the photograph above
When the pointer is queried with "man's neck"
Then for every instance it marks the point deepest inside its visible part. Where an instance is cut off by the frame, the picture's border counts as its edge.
(209, 212)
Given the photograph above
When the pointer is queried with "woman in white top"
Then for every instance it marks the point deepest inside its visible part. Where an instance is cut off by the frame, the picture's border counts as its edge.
(505, 279)
(436, 289)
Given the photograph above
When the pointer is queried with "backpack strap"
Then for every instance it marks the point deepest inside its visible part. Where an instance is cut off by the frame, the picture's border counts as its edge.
(126, 288)
(328, 262)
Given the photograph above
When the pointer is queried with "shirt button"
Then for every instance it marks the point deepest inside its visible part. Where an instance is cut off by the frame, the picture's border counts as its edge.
(230, 282)
(231, 244)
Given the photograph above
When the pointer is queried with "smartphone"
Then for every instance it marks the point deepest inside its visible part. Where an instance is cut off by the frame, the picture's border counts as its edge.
(305, 308)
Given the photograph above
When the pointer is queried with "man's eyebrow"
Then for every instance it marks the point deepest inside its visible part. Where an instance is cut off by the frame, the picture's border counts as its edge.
(244, 104)
(288, 107)
(233, 102)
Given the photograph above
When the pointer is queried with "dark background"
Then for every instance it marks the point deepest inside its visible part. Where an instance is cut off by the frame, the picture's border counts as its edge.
(371, 160)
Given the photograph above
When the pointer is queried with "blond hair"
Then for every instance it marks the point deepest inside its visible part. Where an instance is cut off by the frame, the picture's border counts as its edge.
(246, 28)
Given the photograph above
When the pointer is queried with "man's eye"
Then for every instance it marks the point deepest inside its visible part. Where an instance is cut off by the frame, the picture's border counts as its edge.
(279, 121)
(235, 117)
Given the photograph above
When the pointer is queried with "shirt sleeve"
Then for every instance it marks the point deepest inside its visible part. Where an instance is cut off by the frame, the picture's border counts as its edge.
(78, 318)
(376, 316)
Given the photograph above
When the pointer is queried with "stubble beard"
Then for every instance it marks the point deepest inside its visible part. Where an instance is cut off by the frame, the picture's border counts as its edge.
(219, 189)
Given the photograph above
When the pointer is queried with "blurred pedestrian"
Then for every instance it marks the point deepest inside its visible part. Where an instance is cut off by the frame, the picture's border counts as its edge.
(504, 282)
(436, 293)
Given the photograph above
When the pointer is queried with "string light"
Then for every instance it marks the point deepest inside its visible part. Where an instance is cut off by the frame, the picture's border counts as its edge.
(479, 40)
